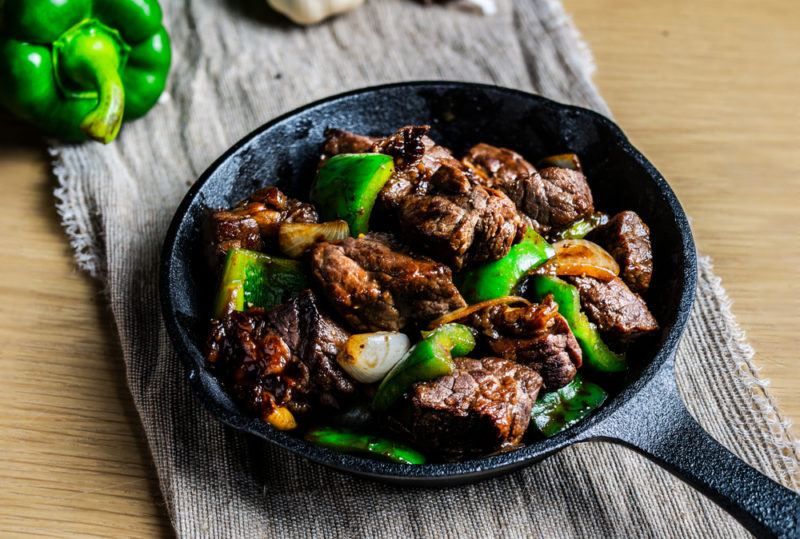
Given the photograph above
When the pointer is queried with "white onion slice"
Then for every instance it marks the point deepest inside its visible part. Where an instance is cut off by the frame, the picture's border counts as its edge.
(368, 357)
(295, 238)
(464, 312)
(580, 257)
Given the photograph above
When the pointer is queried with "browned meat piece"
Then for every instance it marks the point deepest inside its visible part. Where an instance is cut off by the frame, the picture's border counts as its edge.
(417, 157)
(316, 340)
(440, 203)
(286, 356)
(339, 141)
(567, 198)
(627, 238)
(458, 221)
(505, 170)
(484, 406)
(375, 285)
(552, 198)
(619, 313)
(536, 336)
(225, 230)
(254, 222)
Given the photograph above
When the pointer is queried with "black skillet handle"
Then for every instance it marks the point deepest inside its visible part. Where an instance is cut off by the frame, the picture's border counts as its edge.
(657, 424)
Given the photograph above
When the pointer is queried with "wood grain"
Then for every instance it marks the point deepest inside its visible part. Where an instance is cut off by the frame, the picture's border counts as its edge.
(708, 90)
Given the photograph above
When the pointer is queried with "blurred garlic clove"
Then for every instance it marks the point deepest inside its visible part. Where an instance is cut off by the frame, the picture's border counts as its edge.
(312, 11)
(483, 7)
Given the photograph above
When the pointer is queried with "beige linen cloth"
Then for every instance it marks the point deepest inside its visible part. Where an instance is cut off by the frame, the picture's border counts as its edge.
(237, 66)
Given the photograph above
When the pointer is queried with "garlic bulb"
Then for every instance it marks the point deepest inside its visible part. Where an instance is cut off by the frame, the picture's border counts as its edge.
(312, 11)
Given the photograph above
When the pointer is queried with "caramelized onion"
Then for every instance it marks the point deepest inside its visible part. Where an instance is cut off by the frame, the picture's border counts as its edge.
(464, 312)
(580, 257)
(295, 238)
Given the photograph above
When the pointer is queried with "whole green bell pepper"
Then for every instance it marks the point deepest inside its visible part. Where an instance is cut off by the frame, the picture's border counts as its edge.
(597, 354)
(77, 68)
(253, 279)
(430, 358)
(347, 441)
(347, 186)
(558, 410)
(499, 278)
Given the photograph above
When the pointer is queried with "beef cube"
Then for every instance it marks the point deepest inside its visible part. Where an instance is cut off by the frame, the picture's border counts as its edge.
(284, 357)
(417, 157)
(552, 198)
(627, 238)
(316, 340)
(505, 170)
(567, 198)
(459, 221)
(253, 223)
(375, 284)
(484, 406)
(619, 313)
(338, 141)
(533, 335)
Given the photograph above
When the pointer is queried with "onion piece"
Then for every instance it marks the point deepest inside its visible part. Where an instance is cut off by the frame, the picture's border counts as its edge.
(368, 357)
(580, 257)
(464, 312)
(295, 238)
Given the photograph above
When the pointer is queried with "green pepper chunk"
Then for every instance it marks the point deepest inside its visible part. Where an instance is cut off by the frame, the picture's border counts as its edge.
(499, 278)
(252, 279)
(580, 228)
(77, 68)
(347, 441)
(596, 353)
(347, 186)
(558, 410)
(430, 358)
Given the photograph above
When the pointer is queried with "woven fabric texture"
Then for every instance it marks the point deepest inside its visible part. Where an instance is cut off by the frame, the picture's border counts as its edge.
(237, 66)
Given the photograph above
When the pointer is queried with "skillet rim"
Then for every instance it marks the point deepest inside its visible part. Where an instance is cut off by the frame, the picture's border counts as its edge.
(462, 471)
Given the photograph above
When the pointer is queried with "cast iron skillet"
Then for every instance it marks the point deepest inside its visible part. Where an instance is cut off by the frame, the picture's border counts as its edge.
(647, 414)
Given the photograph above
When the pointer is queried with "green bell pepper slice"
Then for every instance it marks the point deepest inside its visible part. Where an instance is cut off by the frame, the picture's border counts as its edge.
(253, 279)
(499, 278)
(558, 410)
(347, 186)
(597, 354)
(347, 441)
(77, 68)
(580, 228)
(430, 358)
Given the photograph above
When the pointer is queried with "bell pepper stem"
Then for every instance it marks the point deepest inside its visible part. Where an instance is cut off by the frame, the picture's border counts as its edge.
(103, 123)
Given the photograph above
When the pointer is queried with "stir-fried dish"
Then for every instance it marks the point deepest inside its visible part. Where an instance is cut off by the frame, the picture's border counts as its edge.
(420, 307)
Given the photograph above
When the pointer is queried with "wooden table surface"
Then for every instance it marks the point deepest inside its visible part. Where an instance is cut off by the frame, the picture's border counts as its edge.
(708, 90)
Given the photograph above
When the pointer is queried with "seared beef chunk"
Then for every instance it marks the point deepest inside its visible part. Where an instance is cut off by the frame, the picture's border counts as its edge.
(286, 356)
(535, 335)
(552, 198)
(507, 171)
(619, 313)
(339, 141)
(567, 197)
(440, 203)
(376, 285)
(458, 221)
(627, 238)
(254, 222)
(316, 339)
(484, 406)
